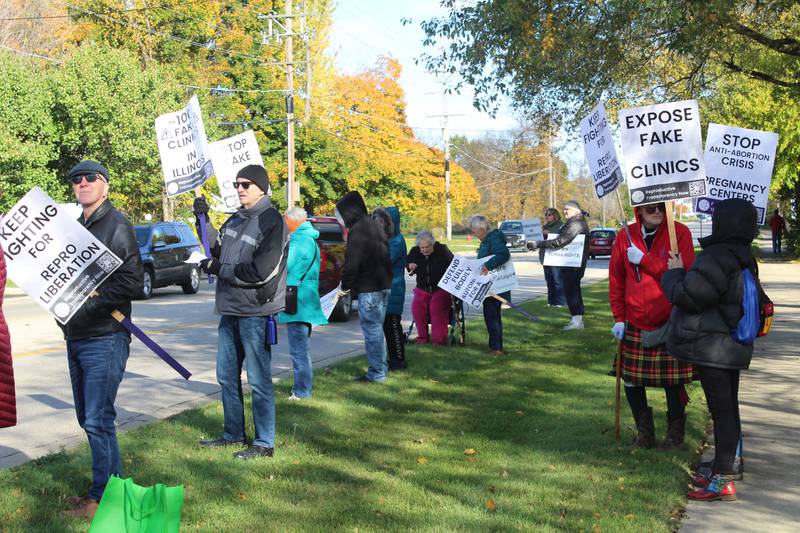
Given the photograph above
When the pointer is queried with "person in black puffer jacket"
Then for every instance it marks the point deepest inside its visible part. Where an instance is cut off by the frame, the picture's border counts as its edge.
(428, 261)
(707, 306)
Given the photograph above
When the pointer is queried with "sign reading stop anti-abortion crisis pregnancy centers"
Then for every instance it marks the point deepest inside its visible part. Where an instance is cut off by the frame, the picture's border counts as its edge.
(229, 156)
(663, 152)
(54, 259)
(183, 147)
(739, 164)
(598, 144)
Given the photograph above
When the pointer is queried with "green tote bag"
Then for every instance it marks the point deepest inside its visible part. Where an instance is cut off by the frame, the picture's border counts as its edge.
(127, 507)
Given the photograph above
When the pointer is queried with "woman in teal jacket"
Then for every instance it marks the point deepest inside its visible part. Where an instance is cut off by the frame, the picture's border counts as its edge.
(302, 268)
(389, 219)
(493, 243)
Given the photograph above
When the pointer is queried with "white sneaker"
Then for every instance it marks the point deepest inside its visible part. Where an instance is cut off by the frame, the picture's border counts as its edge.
(575, 323)
(294, 397)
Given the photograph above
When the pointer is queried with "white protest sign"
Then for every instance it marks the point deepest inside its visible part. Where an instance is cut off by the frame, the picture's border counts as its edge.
(51, 256)
(663, 152)
(598, 145)
(569, 256)
(183, 147)
(464, 281)
(229, 156)
(505, 278)
(328, 302)
(739, 164)
(532, 228)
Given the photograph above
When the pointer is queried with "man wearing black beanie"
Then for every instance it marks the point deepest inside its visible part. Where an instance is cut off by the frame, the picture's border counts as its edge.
(249, 259)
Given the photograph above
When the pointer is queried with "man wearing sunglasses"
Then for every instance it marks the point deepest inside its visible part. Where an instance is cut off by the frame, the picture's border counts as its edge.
(97, 345)
(249, 259)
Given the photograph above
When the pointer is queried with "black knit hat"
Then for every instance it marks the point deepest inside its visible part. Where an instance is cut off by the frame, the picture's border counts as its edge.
(87, 167)
(257, 174)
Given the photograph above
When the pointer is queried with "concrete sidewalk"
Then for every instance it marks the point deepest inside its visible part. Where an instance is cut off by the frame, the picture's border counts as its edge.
(769, 400)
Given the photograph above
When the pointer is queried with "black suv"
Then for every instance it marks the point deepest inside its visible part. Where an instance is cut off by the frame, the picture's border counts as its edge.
(515, 236)
(164, 247)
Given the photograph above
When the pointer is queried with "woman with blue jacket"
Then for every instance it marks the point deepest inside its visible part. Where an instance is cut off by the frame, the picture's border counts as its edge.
(389, 218)
(493, 245)
(302, 268)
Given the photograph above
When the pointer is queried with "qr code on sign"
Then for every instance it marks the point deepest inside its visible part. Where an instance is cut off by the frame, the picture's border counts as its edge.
(107, 262)
(696, 188)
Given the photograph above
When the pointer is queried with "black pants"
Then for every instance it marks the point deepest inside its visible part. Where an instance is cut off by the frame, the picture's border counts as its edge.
(722, 396)
(571, 280)
(637, 399)
(494, 320)
(395, 347)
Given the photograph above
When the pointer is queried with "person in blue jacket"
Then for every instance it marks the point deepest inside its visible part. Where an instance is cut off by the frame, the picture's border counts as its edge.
(493, 245)
(389, 218)
(303, 272)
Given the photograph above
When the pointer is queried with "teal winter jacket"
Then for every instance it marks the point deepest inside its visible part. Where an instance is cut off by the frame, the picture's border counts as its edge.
(397, 256)
(495, 244)
(304, 257)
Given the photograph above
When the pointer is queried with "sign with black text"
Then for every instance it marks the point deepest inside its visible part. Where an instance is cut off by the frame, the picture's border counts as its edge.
(739, 164)
(51, 256)
(663, 151)
(229, 156)
(598, 145)
(532, 228)
(570, 255)
(463, 280)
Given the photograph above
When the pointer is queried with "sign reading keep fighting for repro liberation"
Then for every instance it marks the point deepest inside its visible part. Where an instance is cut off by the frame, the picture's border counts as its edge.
(50, 256)
(739, 164)
(598, 144)
(663, 152)
(229, 156)
(183, 147)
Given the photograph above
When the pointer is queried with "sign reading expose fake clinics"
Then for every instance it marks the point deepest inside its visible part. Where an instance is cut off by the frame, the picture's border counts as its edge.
(183, 147)
(54, 259)
(570, 255)
(663, 152)
(739, 164)
(464, 281)
(598, 144)
(229, 156)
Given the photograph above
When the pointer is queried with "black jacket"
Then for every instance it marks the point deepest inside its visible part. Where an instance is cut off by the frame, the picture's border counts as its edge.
(572, 228)
(707, 300)
(430, 268)
(367, 267)
(93, 319)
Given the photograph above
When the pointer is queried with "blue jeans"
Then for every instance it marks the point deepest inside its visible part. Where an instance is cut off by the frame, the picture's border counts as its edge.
(494, 320)
(96, 366)
(776, 243)
(371, 313)
(571, 277)
(555, 287)
(241, 340)
(297, 333)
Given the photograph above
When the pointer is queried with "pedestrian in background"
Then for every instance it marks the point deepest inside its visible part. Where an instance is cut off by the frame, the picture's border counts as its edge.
(493, 245)
(552, 274)
(778, 226)
(427, 262)
(302, 272)
(389, 219)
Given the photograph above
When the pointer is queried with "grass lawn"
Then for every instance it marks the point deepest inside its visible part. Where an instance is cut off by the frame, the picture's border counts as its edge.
(461, 441)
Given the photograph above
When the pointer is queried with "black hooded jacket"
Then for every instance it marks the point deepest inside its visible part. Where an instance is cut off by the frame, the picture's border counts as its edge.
(430, 268)
(367, 267)
(573, 227)
(707, 300)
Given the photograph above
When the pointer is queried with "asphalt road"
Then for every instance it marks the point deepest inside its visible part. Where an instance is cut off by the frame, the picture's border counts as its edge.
(186, 327)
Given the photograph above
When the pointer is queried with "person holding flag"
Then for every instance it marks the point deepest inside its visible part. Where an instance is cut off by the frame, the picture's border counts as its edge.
(641, 312)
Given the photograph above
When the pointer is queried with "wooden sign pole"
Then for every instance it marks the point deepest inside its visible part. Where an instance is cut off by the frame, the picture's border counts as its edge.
(673, 238)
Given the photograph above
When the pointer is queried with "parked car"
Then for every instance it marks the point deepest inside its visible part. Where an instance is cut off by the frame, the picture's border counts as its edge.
(164, 247)
(332, 246)
(515, 236)
(601, 241)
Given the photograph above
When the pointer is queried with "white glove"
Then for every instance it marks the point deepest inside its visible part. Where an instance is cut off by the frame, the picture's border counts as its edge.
(618, 331)
(340, 293)
(635, 255)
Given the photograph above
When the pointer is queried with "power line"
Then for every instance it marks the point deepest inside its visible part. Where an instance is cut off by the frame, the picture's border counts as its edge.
(29, 54)
(492, 184)
(371, 25)
(490, 167)
(401, 154)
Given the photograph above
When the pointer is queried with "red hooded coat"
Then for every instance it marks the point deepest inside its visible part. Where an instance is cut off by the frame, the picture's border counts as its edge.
(642, 303)
(8, 406)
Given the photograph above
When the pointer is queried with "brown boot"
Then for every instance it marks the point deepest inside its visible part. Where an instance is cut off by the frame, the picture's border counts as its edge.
(85, 509)
(676, 430)
(646, 431)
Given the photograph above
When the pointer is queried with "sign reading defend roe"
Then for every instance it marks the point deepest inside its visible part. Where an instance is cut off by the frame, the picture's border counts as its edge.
(50, 256)
(663, 152)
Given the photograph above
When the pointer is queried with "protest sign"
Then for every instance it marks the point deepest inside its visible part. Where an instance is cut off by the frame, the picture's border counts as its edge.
(663, 152)
(505, 278)
(532, 228)
(464, 281)
(598, 145)
(569, 256)
(229, 156)
(183, 147)
(50, 256)
(328, 302)
(738, 164)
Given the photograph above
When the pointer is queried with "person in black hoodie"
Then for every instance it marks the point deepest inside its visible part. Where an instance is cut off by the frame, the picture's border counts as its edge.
(428, 261)
(707, 306)
(367, 276)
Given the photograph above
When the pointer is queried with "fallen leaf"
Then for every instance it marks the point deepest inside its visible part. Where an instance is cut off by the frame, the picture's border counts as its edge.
(242, 496)
(296, 462)
(622, 487)
(490, 505)
(434, 381)
(472, 459)
(419, 440)
(630, 516)
(422, 460)
(597, 516)
(519, 413)
(185, 429)
(491, 488)
(551, 467)
(470, 451)
(504, 474)
(596, 529)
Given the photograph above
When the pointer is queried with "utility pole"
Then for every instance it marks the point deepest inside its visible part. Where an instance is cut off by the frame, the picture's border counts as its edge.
(446, 139)
(309, 70)
(551, 175)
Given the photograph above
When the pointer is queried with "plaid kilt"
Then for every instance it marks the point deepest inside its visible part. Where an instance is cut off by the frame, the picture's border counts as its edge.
(652, 367)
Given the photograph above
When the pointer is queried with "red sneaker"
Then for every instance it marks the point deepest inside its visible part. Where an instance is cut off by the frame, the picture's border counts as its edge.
(719, 488)
(701, 480)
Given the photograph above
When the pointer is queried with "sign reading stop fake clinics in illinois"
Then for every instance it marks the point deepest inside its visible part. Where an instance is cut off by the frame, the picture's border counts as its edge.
(54, 259)
(739, 164)
(183, 147)
(663, 152)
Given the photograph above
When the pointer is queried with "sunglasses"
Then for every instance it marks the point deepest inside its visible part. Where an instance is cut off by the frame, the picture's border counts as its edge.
(90, 178)
(243, 184)
(650, 209)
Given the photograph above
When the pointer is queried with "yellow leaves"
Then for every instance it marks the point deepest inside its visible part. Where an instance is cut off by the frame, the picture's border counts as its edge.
(519, 413)
(596, 529)
(490, 505)
(422, 460)
(470, 451)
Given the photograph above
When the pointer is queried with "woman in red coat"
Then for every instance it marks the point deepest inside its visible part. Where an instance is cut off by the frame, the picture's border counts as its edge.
(8, 406)
(640, 310)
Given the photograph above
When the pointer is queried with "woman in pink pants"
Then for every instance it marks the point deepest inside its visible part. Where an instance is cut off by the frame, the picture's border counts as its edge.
(428, 261)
